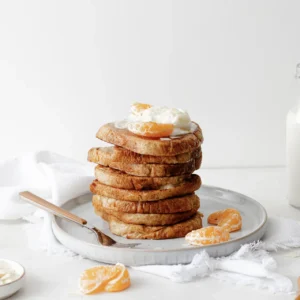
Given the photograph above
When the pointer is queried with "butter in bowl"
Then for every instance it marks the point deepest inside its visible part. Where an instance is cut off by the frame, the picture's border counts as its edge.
(11, 277)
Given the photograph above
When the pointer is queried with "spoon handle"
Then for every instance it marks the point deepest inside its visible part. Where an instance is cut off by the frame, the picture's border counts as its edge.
(50, 207)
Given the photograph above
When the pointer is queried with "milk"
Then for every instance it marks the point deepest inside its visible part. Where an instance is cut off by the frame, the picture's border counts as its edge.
(293, 156)
(293, 152)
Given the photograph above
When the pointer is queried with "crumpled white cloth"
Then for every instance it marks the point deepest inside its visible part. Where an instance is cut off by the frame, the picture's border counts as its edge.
(251, 265)
(47, 174)
(59, 179)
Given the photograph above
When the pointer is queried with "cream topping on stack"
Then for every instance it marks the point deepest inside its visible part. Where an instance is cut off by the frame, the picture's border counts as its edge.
(179, 118)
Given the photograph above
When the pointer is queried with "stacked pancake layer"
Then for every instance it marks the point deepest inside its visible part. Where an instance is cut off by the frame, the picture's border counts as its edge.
(144, 188)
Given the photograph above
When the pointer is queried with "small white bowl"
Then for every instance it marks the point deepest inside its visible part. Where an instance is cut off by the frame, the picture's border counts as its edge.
(8, 289)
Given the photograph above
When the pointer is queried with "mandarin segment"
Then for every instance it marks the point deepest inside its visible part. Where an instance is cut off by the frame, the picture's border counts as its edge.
(214, 218)
(93, 280)
(119, 283)
(104, 278)
(151, 129)
(136, 108)
(208, 236)
(229, 218)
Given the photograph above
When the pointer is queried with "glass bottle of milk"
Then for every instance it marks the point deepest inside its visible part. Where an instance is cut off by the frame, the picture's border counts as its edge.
(293, 150)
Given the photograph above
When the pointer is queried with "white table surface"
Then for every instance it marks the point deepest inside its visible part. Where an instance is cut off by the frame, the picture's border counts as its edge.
(56, 277)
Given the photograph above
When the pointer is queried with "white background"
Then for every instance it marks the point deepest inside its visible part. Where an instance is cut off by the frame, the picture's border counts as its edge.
(66, 67)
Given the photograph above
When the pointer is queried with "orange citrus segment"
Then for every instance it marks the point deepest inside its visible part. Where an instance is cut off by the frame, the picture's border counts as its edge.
(214, 218)
(229, 218)
(232, 220)
(108, 278)
(208, 236)
(138, 107)
(94, 279)
(151, 129)
(119, 283)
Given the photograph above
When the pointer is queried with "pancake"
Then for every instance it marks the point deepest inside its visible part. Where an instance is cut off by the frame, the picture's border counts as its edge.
(149, 219)
(150, 146)
(157, 170)
(121, 180)
(166, 206)
(132, 231)
(106, 155)
(187, 187)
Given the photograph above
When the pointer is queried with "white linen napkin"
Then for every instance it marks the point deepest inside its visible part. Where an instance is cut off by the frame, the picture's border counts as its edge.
(50, 176)
(59, 179)
(251, 265)
(47, 174)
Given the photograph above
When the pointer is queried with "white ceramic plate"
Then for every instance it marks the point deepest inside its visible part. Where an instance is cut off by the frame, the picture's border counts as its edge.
(172, 251)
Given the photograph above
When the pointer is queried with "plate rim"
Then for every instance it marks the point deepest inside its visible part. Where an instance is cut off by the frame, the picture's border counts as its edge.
(191, 247)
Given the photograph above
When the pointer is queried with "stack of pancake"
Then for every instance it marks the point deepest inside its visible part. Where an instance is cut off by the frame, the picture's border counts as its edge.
(144, 187)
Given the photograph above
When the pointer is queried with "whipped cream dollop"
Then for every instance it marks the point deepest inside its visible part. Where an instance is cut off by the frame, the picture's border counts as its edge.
(8, 275)
(179, 118)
